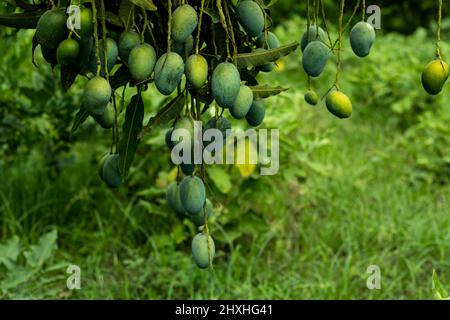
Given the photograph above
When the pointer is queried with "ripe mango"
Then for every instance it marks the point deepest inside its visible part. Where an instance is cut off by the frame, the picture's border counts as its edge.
(339, 104)
(434, 76)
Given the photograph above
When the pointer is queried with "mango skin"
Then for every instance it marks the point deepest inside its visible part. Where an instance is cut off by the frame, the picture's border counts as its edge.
(141, 61)
(199, 219)
(186, 124)
(203, 250)
(311, 97)
(193, 194)
(87, 27)
(225, 84)
(184, 22)
(85, 52)
(173, 199)
(272, 41)
(251, 17)
(183, 49)
(196, 70)
(312, 35)
(434, 76)
(97, 94)
(362, 37)
(67, 52)
(256, 114)
(169, 70)
(315, 58)
(127, 41)
(51, 28)
(110, 172)
(112, 51)
(339, 104)
(107, 119)
(243, 103)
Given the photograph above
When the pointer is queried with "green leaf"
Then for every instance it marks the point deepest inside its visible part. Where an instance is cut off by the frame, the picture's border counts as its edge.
(42, 251)
(133, 125)
(80, 118)
(121, 77)
(164, 115)
(259, 58)
(68, 75)
(212, 14)
(265, 91)
(9, 252)
(220, 178)
(438, 289)
(145, 4)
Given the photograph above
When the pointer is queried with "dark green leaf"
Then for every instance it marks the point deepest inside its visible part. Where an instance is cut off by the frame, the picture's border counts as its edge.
(133, 125)
(68, 75)
(212, 14)
(33, 49)
(80, 118)
(265, 91)
(145, 4)
(254, 59)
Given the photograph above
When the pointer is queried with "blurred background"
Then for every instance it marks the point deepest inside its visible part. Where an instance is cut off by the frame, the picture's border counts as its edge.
(371, 190)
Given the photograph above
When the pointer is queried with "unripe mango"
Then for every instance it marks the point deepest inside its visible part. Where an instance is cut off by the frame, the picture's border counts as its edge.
(112, 54)
(242, 103)
(362, 38)
(313, 33)
(251, 17)
(127, 41)
(199, 219)
(169, 70)
(184, 22)
(222, 124)
(434, 76)
(269, 42)
(183, 49)
(193, 194)
(97, 94)
(339, 104)
(173, 199)
(141, 61)
(51, 28)
(107, 119)
(196, 70)
(256, 114)
(311, 97)
(315, 58)
(203, 250)
(86, 25)
(110, 172)
(67, 52)
(188, 125)
(225, 84)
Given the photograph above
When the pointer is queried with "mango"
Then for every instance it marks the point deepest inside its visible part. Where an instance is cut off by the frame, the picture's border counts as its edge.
(199, 219)
(222, 124)
(242, 103)
(339, 104)
(362, 37)
(256, 114)
(67, 52)
(184, 22)
(193, 194)
(313, 33)
(141, 61)
(107, 119)
(225, 84)
(173, 199)
(196, 70)
(267, 42)
(184, 49)
(434, 76)
(311, 97)
(315, 58)
(127, 41)
(112, 54)
(110, 172)
(97, 94)
(51, 28)
(251, 17)
(169, 70)
(86, 25)
(203, 250)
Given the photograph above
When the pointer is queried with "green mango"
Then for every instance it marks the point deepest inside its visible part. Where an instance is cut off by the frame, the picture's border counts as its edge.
(169, 70)
(196, 70)
(184, 49)
(97, 94)
(67, 52)
(49, 55)
(434, 76)
(269, 42)
(315, 58)
(313, 33)
(127, 41)
(110, 172)
(107, 119)
(251, 17)
(362, 37)
(141, 61)
(255, 116)
(87, 26)
(339, 104)
(222, 124)
(51, 28)
(225, 84)
(184, 22)
(173, 199)
(243, 103)
(203, 250)
(193, 194)
(112, 54)
(199, 218)
(311, 97)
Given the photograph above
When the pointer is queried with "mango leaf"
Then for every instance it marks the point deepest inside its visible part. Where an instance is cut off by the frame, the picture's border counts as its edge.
(80, 118)
(42, 251)
(68, 75)
(121, 77)
(220, 178)
(133, 125)
(254, 59)
(265, 91)
(438, 289)
(164, 115)
(212, 14)
(33, 49)
(9, 252)
(145, 4)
